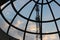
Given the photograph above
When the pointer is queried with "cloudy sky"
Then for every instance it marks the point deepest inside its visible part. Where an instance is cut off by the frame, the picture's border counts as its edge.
(20, 22)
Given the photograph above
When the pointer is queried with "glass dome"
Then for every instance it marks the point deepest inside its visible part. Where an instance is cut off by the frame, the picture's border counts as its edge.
(31, 19)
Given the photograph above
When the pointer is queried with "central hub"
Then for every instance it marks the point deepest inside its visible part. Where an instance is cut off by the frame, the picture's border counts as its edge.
(44, 1)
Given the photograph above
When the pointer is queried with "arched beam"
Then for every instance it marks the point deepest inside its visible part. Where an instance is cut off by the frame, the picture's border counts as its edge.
(3, 1)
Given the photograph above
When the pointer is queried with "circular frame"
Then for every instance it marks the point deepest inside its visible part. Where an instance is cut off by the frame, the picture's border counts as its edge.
(19, 28)
(43, 3)
(28, 18)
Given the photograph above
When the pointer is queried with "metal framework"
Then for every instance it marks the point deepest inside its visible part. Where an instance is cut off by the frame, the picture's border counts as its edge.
(38, 25)
(38, 19)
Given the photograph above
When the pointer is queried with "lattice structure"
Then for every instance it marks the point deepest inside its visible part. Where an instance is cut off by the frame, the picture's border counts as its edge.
(37, 3)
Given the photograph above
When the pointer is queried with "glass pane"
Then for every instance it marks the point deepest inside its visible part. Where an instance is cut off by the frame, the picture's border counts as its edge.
(27, 9)
(9, 13)
(30, 36)
(19, 3)
(58, 22)
(49, 27)
(19, 22)
(46, 13)
(3, 24)
(55, 9)
(31, 27)
(58, 1)
(16, 33)
(51, 37)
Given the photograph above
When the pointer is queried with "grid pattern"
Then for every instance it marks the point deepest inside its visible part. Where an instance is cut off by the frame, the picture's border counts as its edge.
(28, 19)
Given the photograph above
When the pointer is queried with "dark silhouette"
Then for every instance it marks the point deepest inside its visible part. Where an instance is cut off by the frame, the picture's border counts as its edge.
(4, 36)
(3, 1)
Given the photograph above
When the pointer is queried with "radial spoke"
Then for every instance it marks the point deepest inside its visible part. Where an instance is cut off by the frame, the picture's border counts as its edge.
(54, 19)
(57, 3)
(11, 23)
(28, 22)
(41, 20)
(7, 5)
(24, 5)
